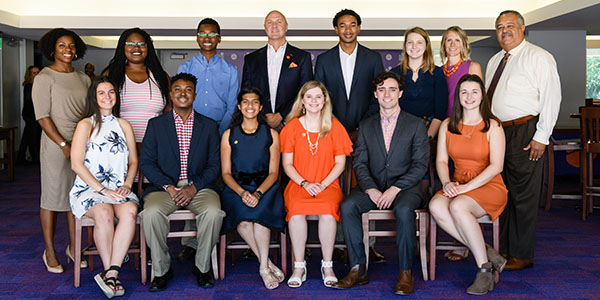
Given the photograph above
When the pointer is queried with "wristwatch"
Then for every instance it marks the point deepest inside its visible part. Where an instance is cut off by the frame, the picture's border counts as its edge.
(62, 144)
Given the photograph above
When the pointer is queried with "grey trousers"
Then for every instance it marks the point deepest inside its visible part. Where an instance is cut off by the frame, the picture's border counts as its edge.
(403, 208)
(158, 206)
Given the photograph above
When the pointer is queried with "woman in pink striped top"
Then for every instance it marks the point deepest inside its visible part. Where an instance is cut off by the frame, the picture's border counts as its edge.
(141, 80)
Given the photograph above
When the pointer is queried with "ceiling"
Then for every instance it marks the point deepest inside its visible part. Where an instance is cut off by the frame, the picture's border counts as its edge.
(384, 21)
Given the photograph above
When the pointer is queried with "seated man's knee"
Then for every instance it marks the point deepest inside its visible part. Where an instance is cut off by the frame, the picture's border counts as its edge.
(404, 214)
(348, 207)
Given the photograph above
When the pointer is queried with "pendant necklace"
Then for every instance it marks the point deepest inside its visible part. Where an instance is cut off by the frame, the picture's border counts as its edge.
(312, 147)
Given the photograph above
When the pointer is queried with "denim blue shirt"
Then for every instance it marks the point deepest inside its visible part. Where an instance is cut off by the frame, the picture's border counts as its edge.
(217, 88)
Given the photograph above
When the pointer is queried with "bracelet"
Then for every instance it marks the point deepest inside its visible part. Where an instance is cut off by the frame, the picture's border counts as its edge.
(303, 183)
(100, 191)
(259, 194)
(444, 184)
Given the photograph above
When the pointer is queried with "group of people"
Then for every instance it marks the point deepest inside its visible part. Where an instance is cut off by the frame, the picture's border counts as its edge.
(209, 146)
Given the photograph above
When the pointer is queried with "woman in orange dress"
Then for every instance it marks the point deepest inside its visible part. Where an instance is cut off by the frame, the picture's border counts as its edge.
(314, 147)
(474, 139)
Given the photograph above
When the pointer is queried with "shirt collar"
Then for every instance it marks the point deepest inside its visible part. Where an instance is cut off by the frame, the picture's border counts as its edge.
(517, 49)
(346, 54)
(281, 48)
(177, 117)
(391, 118)
(215, 57)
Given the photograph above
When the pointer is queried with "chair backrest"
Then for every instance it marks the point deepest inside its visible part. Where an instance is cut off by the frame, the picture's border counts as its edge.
(590, 129)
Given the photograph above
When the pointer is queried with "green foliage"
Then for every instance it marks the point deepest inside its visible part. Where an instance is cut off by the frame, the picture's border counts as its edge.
(593, 77)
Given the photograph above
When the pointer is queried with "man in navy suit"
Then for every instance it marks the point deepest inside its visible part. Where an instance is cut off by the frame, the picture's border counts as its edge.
(278, 69)
(180, 158)
(347, 71)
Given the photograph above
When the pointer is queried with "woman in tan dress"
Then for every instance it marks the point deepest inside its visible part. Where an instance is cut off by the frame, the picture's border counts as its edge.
(58, 94)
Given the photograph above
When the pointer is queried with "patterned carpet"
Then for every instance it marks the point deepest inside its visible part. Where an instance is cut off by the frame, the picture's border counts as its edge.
(567, 263)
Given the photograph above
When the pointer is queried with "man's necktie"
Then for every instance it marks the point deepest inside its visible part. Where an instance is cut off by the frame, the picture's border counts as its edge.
(496, 78)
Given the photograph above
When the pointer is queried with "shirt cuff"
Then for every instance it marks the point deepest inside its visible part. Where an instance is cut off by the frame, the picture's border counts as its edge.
(165, 187)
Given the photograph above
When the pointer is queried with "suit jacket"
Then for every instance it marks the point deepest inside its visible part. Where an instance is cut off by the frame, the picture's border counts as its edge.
(406, 162)
(160, 160)
(362, 102)
(296, 69)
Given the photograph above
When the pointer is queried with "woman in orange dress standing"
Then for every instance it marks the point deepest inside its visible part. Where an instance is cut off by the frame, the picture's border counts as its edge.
(314, 147)
(474, 139)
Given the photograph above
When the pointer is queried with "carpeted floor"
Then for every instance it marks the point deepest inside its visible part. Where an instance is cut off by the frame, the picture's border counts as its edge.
(567, 263)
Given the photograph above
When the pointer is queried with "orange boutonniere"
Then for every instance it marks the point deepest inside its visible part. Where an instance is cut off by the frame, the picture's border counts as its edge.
(293, 65)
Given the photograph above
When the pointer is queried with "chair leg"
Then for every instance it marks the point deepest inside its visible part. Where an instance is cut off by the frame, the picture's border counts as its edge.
(283, 242)
(77, 253)
(143, 258)
(423, 220)
(432, 247)
(90, 231)
(222, 248)
(584, 194)
(365, 227)
(550, 175)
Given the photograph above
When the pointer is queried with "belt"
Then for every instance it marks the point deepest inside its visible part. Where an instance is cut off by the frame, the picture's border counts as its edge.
(521, 120)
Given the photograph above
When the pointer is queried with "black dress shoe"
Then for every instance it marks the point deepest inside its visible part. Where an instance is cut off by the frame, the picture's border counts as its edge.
(205, 280)
(160, 282)
(186, 254)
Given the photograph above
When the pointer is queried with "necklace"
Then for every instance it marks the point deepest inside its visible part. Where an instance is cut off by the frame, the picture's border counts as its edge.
(312, 147)
(468, 135)
(452, 70)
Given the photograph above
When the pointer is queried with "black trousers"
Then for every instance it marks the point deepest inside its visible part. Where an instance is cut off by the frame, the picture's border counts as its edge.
(30, 140)
(523, 179)
(403, 208)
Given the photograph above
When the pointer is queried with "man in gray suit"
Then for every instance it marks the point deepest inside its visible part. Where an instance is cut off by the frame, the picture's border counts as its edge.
(390, 158)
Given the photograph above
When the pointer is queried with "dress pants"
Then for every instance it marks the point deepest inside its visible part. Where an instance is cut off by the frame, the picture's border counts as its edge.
(158, 206)
(403, 208)
(523, 179)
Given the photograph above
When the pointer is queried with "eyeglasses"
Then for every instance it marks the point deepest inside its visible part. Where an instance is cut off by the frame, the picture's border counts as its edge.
(211, 35)
(133, 44)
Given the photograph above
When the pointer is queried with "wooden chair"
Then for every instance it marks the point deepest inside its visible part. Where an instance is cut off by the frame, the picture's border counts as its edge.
(383, 215)
(590, 145)
(8, 134)
(241, 245)
(557, 145)
(185, 215)
(435, 246)
(138, 247)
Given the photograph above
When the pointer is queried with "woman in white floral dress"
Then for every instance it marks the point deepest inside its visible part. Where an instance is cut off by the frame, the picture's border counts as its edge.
(103, 155)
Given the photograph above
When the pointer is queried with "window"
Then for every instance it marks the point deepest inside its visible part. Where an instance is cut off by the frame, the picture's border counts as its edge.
(593, 73)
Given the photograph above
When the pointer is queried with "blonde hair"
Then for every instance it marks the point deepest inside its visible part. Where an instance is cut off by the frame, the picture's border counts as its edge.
(326, 113)
(465, 49)
(428, 63)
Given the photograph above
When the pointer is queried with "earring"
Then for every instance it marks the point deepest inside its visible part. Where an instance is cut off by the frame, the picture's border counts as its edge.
(303, 110)
(75, 56)
(52, 54)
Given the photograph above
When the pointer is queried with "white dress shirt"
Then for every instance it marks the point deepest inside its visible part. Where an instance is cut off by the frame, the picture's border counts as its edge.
(529, 85)
(348, 61)
(274, 61)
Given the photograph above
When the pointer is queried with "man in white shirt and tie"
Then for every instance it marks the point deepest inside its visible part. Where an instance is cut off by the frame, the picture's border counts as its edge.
(524, 88)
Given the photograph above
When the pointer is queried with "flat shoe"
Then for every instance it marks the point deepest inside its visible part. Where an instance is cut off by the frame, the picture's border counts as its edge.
(453, 255)
(108, 291)
(295, 282)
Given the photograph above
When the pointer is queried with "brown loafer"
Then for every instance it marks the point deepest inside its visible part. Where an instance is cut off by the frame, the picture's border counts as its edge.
(353, 279)
(515, 264)
(405, 283)
(375, 257)
(186, 254)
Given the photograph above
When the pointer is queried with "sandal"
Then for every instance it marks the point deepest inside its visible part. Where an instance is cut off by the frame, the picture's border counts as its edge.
(455, 255)
(104, 285)
(296, 281)
(118, 287)
(328, 281)
(268, 278)
(276, 272)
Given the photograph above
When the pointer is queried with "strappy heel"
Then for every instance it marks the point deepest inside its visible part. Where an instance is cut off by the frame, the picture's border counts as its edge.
(268, 278)
(276, 272)
(82, 264)
(296, 281)
(328, 281)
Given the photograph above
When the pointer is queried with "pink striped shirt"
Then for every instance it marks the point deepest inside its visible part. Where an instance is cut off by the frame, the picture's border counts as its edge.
(184, 136)
(139, 103)
(388, 125)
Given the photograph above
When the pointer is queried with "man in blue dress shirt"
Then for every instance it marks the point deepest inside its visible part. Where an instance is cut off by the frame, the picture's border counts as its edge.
(218, 83)
(216, 94)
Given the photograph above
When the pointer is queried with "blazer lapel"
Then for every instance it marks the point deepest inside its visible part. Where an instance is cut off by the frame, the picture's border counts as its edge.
(171, 135)
(337, 66)
(288, 59)
(195, 139)
(379, 134)
(264, 73)
(357, 66)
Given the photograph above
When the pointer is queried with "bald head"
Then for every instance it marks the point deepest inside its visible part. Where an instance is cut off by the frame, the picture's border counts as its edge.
(276, 26)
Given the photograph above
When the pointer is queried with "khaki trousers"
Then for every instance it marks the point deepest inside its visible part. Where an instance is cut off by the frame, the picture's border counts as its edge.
(206, 204)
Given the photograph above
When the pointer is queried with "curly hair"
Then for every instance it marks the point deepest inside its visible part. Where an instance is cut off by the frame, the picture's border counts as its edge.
(209, 21)
(346, 12)
(47, 43)
(116, 66)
